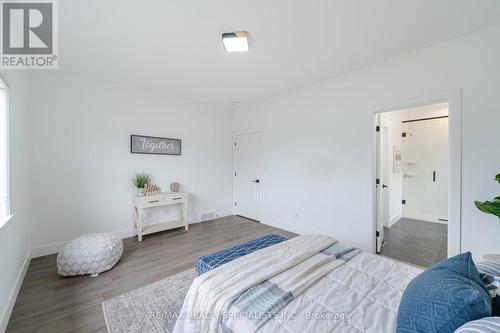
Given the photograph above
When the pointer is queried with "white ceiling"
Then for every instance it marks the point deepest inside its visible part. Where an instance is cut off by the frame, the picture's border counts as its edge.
(175, 46)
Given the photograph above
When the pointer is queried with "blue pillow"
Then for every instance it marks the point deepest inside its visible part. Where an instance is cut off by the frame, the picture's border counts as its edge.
(443, 298)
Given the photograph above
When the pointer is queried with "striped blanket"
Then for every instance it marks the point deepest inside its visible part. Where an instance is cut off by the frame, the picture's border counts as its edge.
(241, 296)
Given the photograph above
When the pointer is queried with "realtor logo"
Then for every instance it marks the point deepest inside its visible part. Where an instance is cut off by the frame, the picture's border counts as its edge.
(29, 34)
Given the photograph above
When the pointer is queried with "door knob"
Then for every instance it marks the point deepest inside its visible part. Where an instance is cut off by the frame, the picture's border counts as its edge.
(256, 181)
(384, 186)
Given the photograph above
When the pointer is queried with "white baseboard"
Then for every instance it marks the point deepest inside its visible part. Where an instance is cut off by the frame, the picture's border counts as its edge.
(53, 248)
(221, 215)
(394, 220)
(218, 215)
(44, 250)
(425, 219)
(14, 292)
(126, 233)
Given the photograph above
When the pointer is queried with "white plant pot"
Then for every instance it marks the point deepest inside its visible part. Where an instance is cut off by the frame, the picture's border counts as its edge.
(140, 192)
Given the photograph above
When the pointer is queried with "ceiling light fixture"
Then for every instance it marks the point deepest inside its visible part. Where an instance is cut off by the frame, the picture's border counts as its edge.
(235, 41)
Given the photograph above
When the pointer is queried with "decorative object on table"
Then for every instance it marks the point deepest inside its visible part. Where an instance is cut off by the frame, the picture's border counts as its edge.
(89, 254)
(493, 206)
(140, 180)
(175, 187)
(140, 144)
(151, 189)
(396, 159)
(142, 203)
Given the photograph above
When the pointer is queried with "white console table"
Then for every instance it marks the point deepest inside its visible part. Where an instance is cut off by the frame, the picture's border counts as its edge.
(159, 199)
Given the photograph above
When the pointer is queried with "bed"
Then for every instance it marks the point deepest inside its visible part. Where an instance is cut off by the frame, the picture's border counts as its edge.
(360, 296)
(307, 284)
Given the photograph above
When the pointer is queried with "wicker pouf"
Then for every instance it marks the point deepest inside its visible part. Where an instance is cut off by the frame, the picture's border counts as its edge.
(89, 254)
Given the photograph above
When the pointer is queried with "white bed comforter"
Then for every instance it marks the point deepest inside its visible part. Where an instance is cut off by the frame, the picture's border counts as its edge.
(359, 296)
(362, 295)
(212, 293)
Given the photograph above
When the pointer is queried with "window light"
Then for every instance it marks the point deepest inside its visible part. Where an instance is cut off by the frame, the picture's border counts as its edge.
(4, 154)
(235, 41)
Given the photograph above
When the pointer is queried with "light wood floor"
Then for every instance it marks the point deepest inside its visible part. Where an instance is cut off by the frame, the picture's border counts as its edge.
(49, 303)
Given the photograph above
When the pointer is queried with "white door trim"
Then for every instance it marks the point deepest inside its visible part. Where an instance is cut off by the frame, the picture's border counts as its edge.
(454, 100)
(262, 180)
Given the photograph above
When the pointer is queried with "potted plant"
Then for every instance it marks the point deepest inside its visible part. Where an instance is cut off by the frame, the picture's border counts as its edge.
(493, 206)
(139, 181)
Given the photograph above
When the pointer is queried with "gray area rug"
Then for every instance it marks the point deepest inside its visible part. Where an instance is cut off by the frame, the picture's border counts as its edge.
(152, 308)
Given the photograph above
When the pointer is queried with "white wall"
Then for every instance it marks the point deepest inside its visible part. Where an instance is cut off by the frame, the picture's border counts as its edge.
(15, 234)
(317, 140)
(393, 121)
(80, 158)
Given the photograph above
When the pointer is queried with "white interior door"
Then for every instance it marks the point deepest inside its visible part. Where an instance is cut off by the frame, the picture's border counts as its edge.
(384, 173)
(247, 175)
(381, 183)
(425, 177)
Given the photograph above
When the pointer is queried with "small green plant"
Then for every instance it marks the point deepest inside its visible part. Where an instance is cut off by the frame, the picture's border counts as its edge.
(140, 179)
(490, 207)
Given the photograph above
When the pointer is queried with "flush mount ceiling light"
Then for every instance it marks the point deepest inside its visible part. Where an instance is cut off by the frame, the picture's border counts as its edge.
(235, 41)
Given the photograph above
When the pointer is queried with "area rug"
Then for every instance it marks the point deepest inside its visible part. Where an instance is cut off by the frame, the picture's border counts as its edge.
(153, 308)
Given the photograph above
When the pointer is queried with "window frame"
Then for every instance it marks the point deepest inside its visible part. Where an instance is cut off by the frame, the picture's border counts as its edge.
(6, 190)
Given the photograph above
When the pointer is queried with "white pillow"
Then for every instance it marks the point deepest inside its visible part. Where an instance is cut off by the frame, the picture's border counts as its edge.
(484, 325)
(490, 275)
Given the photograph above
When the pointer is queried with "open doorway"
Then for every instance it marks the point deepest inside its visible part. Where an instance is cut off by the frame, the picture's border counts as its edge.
(412, 173)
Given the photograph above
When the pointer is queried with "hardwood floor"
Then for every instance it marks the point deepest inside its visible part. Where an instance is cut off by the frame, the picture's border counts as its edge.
(50, 303)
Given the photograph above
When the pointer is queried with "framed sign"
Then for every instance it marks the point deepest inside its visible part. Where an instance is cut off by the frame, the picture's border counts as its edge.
(140, 144)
